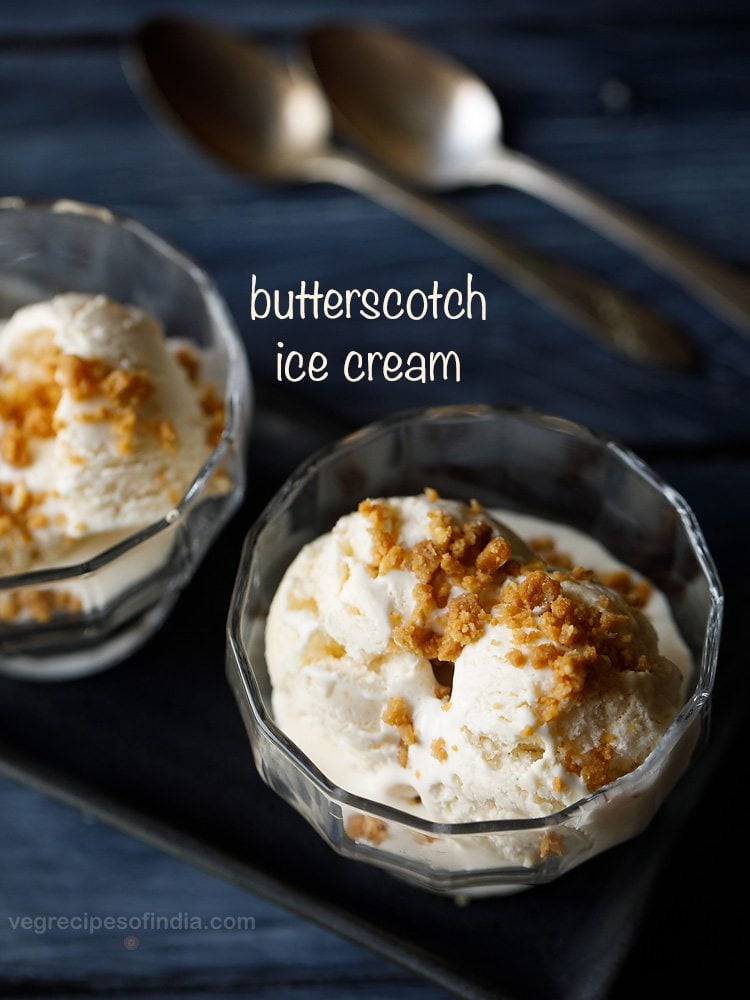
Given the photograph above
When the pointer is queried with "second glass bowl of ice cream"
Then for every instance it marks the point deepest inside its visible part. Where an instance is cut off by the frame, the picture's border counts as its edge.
(517, 461)
(111, 585)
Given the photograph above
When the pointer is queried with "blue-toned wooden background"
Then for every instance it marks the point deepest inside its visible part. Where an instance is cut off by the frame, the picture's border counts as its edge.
(675, 146)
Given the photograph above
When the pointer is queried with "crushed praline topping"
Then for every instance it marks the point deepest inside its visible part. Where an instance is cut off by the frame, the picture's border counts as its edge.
(37, 603)
(464, 556)
(398, 714)
(363, 827)
(27, 408)
(551, 845)
(584, 642)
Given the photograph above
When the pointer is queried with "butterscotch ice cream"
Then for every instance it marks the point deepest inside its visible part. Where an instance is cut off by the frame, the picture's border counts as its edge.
(103, 426)
(464, 665)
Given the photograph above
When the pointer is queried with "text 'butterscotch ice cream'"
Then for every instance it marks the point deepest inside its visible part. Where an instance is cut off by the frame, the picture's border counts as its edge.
(103, 426)
(424, 655)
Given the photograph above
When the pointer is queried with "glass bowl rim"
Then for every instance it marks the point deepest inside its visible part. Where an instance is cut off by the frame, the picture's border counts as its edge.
(238, 383)
(312, 774)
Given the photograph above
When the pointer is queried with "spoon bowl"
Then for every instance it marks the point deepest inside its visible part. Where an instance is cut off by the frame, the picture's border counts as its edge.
(418, 111)
(234, 99)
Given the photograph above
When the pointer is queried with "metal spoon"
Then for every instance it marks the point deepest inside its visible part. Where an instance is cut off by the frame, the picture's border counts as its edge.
(268, 119)
(436, 123)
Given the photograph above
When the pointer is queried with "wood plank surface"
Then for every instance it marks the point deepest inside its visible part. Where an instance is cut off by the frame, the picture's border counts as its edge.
(57, 862)
(677, 150)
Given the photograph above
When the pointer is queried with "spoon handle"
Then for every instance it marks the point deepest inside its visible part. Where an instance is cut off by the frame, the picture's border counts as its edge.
(719, 286)
(607, 314)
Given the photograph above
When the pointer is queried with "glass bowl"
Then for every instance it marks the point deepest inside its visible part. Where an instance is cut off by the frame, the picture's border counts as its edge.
(121, 595)
(517, 460)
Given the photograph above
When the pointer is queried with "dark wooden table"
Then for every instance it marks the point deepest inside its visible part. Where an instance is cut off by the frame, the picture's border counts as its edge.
(647, 103)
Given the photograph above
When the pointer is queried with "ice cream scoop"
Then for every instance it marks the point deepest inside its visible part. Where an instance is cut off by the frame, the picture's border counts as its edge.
(103, 426)
(423, 655)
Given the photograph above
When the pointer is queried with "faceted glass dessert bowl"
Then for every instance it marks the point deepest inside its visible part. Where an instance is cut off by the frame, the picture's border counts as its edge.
(516, 460)
(82, 617)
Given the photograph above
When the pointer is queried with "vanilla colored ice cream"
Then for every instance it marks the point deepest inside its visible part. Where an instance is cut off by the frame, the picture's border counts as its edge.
(464, 664)
(104, 423)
